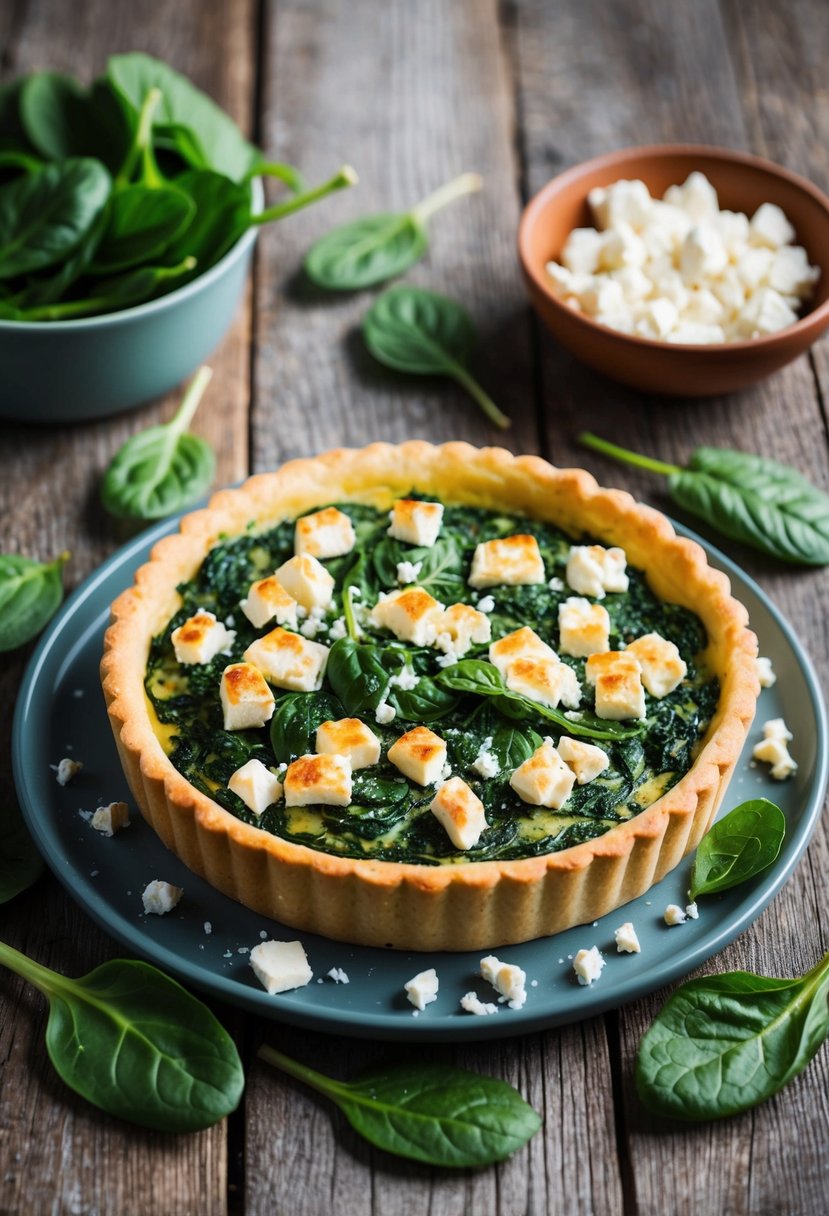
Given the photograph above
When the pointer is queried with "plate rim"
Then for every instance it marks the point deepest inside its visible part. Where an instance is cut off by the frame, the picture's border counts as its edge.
(364, 1023)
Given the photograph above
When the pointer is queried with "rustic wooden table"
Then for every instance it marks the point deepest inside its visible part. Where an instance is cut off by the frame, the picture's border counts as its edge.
(412, 93)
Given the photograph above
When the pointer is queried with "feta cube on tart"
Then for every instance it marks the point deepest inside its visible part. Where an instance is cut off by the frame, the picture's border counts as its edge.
(584, 628)
(416, 523)
(662, 667)
(322, 779)
(769, 227)
(422, 989)
(280, 966)
(160, 897)
(461, 812)
(412, 615)
(324, 534)
(267, 600)
(461, 626)
(588, 965)
(548, 681)
(511, 561)
(420, 754)
(307, 580)
(289, 660)
(351, 738)
(773, 749)
(594, 570)
(627, 941)
(247, 702)
(617, 677)
(508, 979)
(256, 785)
(520, 644)
(201, 638)
(110, 819)
(585, 759)
(543, 779)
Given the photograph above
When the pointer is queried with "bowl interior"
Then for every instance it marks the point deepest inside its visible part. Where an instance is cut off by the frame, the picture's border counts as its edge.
(741, 185)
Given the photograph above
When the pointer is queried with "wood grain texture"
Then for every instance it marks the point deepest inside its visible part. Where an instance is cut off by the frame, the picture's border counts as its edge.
(60, 1155)
(652, 73)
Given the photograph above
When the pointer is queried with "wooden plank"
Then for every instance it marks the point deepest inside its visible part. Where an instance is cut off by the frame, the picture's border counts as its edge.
(650, 73)
(59, 1154)
(412, 94)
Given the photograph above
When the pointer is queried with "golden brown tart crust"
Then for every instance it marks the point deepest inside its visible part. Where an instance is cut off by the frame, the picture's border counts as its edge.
(470, 905)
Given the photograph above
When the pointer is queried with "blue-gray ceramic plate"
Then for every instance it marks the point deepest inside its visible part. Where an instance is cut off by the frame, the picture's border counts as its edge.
(205, 941)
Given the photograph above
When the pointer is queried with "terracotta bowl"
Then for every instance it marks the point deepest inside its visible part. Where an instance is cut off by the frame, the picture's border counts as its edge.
(742, 183)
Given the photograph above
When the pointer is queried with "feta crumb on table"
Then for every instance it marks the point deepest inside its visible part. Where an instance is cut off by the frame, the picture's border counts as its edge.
(588, 965)
(160, 897)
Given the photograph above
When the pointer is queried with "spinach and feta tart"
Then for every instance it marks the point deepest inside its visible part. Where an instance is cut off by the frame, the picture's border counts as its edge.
(404, 620)
(429, 697)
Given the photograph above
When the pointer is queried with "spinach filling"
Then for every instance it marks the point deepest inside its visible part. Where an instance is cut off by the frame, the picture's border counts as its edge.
(389, 818)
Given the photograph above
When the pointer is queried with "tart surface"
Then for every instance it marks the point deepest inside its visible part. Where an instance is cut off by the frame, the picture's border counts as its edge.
(383, 866)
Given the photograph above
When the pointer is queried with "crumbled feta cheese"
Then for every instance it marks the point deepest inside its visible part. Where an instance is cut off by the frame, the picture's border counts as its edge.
(384, 713)
(773, 749)
(159, 897)
(208, 928)
(486, 603)
(67, 769)
(420, 754)
(674, 915)
(416, 523)
(769, 227)
(626, 940)
(508, 980)
(256, 786)
(338, 976)
(486, 762)
(201, 638)
(323, 779)
(422, 989)
(288, 660)
(471, 1003)
(405, 679)
(338, 629)
(247, 701)
(110, 819)
(692, 911)
(280, 966)
(588, 965)
(460, 811)
(407, 572)
(327, 533)
(766, 673)
(351, 738)
(509, 561)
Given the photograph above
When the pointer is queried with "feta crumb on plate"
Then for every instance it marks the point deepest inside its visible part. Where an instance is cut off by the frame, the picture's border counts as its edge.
(674, 915)
(67, 769)
(588, 965)
(471, 1003)
(626, 940)
(338, 975)
(280, 966)
(110, 819)
(422, 989)
(508, 980)
(160, 897)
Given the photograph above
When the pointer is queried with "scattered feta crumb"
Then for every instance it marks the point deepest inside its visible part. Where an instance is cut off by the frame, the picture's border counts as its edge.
(406, 679)
(766, 673)
(533, 983)
(407, 572)
(588, 965)
(626, 940)
(77, 692)
(486, 603)
(471, 1003)
(422, 989)
(263, 935)
(508, 980)
(243, 949)
(692, 911)
(384, 713)
(208, 928)
(159, 897)
(338, 975)
(773, 749)
(449, 659)
(338, 630)
(555, 584)
(67, 769)
(280, 966)
(674, 915)
(110, 819)
(228, 954)
(486, 762)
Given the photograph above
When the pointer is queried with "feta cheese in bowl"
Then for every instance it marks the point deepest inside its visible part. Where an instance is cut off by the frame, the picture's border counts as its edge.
(679, 269)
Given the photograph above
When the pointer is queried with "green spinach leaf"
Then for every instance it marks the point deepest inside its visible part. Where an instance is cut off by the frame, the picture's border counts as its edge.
(724, 1043)
(425, 703)
(134, 1043)
(427, 1112)
(45, 215)
(739, 846)
(749, 498)
(62, 119)
(30, 595)
(142, 222)
(163, 469)
(378, 247)
(295, 721)
(20, 862)
(356, 675)
(417, 331)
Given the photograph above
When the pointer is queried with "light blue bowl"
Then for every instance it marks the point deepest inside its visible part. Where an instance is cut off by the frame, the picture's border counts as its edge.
(73, 371)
